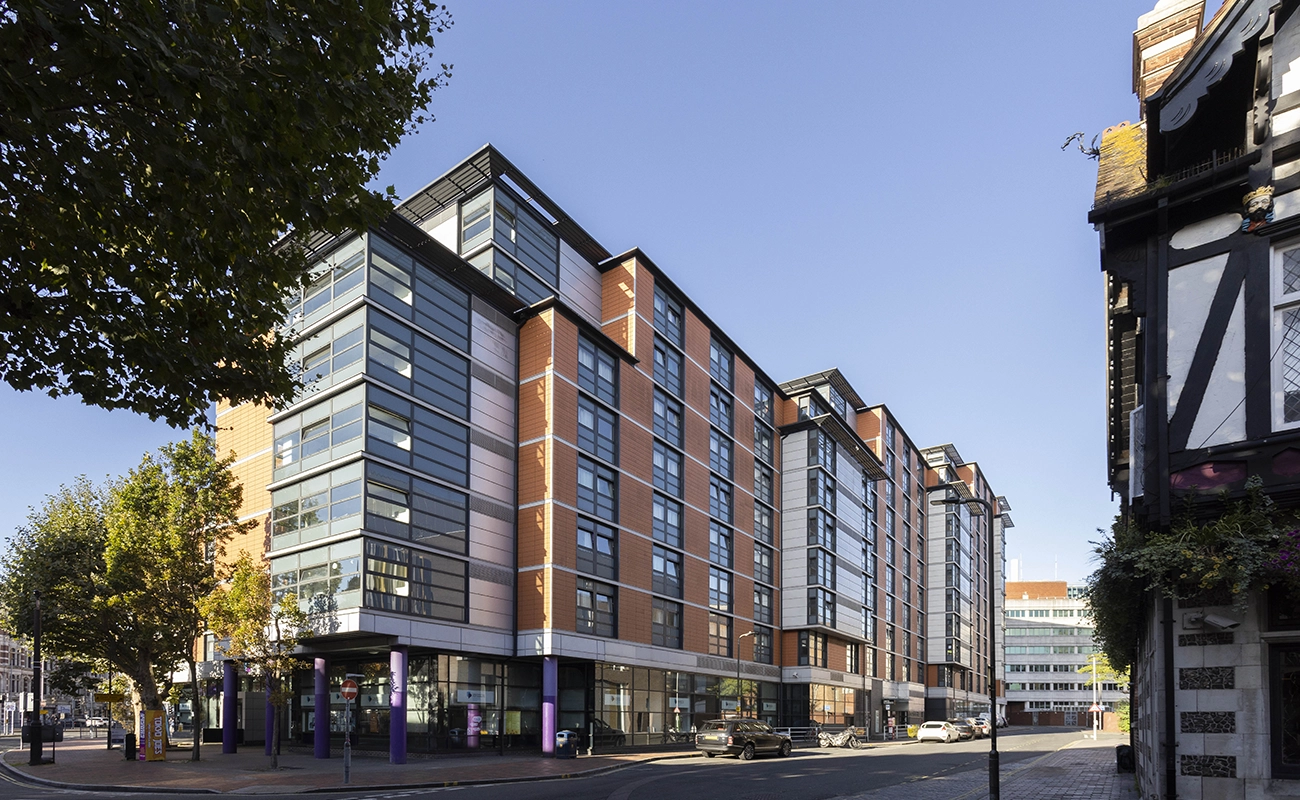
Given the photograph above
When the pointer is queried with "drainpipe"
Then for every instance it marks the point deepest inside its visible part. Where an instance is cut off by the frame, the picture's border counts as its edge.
(1171, 745)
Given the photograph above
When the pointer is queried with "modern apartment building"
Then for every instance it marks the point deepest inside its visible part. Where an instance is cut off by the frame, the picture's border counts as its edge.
(1049, 640)
(958, 684)
(531, 486)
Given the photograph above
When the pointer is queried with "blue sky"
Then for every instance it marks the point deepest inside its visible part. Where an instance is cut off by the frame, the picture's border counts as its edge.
(876, 186)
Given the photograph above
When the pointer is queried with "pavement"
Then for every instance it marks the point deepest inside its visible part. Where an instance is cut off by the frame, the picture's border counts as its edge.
(1083, 770)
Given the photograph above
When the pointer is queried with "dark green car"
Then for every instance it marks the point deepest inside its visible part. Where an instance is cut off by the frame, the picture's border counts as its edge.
(740, 737)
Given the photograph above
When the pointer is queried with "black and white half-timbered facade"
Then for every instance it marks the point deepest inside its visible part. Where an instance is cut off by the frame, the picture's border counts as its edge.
(1198, 212)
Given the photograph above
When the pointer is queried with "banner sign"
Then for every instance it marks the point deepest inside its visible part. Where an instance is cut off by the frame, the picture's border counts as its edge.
(155, 736)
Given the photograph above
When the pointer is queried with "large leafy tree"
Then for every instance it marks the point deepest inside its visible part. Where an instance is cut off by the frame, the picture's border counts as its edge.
(151, 155)
(261, 632)
(122, 569)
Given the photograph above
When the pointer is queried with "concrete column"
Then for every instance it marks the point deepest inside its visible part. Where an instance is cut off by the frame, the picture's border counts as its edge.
(397, 672)
(550, 691)
(229, 713)
(270, 717)
(322, 733)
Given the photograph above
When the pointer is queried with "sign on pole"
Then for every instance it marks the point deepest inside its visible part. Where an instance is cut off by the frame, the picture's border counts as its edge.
(1095, 708)
(349, 689)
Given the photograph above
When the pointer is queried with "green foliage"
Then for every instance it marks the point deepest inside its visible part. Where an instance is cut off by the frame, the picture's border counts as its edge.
(1122, 715)
(262, 630)
(1104, 673)
(152, 155)
(122, 568)
(1241, 550)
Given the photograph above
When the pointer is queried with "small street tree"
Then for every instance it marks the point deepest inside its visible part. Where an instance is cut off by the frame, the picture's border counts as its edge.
(262, 632)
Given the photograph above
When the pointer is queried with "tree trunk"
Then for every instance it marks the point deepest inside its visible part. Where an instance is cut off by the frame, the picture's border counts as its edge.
(195, 714)
(275, 737)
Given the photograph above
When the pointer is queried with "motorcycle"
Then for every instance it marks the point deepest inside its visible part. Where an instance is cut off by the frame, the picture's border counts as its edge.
(844, 738)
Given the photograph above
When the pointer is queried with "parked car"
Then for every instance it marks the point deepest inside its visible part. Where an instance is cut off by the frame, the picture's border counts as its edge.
(981, 726)
(964, 729)
(1001, 721)
(607, 735)
(740, 737)
(938, 732)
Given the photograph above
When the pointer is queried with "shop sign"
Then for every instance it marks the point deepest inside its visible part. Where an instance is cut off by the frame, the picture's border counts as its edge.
(728, 705)
(767, 706)
(616, 700)
(679, 702)
(484, 696)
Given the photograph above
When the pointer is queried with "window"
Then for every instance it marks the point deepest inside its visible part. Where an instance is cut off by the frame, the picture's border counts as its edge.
(763, 404)
(317, 507)
(763, 564)
(668, 316)
(668, 368)
(762, 645)
(597, 490)
(665, 571)
(388, 502)
(821, 528)
(416, 364)
(597, 371)
(821, 567)
(719, 453)
(667, 418)
(720, 409)
(812, 649)
(719, 545)
(597, 549)
(837, 401)
(821, 490)
(597, 430)
(667, 525)
(495, 216)
(821, 607)
(410, 581)
(307, 438)
(324, 579)
(821, 450)
(667, 469)
(853, 658)
(762, 442)
(763, 604)
(596, 608)
(762, 482)
(719, 635)
(665, 623)
(720, 363)
(332, 350)
(719, 498)
(334, 282)
(719, 590)
(762, 523)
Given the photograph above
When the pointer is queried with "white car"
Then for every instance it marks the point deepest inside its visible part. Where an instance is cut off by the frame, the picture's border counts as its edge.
(937, 731)
(96, 722)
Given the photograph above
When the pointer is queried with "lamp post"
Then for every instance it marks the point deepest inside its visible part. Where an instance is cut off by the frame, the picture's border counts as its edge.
(738, 692)
(966, 497)
(37, 734)
(1096, 698)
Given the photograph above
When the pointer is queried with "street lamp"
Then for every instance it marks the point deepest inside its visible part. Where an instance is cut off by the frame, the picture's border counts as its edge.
(983, 507)
(738, 692)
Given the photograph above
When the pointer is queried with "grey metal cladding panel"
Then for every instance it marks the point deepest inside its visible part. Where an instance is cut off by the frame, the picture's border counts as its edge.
(491, 574)
(491, 443)
(489, 508)
(580, 283)
(492, 378)
(491, 475)
(492, 539)
(494, 316)
(492, 345)
(491, 410)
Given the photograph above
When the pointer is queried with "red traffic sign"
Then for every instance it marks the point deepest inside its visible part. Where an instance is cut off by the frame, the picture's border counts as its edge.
(348, 689)
(1095, 707)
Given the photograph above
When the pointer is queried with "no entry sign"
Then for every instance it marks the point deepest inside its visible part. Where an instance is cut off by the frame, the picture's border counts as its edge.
(348, 689)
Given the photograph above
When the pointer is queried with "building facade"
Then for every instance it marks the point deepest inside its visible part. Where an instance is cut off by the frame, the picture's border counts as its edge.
(1049, 649)
(530, 486)
(1197, 208)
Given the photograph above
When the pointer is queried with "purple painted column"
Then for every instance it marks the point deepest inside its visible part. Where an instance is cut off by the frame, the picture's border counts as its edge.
(270, 717)
(397, 705)
(229, 699)
(550, 689)
(321, 740)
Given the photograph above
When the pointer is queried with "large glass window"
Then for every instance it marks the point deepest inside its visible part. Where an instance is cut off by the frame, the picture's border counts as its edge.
(812, 649)
(597, 608)
(763, 559)
(323, 579)
(319, 434)
(497, 216)
(667, 520)
(667, 469)
(597, 371)
(317, 507)
(821, 450)
(821, 567)
(668, 368)
(719, 590)
(597, 430)
(763, 405)
(762, 442)
(720, 363)
(763, 645)
(821, 490)
(668, 316)
(410, 434)
(410, 581)
(719, 545)
(821, 528)
(401, 505)
(597, 490)
(665, 623)
(719, 635)
(334, 281)
(821, 607)
(720, 409)
(763, 523)
(439, 307)
(665, 571)
(597, 549)
(416, 364)
(719, 453)
(720, 498)
(763, 482)
(668, 418)
(763, 604)
(332, 355)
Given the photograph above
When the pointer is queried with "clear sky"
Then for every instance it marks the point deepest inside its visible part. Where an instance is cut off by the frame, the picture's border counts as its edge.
(872, 186)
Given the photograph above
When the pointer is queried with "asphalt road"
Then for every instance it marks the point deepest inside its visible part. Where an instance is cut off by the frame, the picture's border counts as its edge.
(809, 774)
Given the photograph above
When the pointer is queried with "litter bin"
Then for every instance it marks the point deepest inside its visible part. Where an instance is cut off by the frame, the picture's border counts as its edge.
(128, 746)
(566, 744)
(1124, 759)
